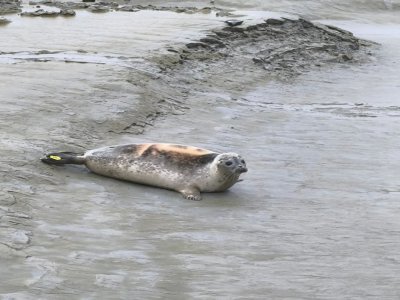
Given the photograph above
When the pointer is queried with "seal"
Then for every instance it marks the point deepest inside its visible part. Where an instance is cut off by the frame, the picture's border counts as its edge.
(186, 169)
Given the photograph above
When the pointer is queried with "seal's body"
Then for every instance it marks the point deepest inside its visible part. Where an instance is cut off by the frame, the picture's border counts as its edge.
(186, 169)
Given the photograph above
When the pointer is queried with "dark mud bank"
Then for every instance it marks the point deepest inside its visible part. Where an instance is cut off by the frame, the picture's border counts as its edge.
(235, 59)
(285, 47)
(105, 6)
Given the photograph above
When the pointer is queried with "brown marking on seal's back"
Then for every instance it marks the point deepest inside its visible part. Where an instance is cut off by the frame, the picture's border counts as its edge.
(167, 154)
(180, 149)
(146, 149)
(131, 149)
(141, 148)
(178, 155)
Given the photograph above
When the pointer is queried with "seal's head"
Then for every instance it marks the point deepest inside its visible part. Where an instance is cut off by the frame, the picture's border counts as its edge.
(231, 163)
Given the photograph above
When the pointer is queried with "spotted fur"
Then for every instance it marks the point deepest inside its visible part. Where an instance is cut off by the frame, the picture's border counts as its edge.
(186, 169)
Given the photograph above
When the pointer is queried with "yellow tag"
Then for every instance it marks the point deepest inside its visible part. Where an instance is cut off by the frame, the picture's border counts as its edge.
(55, 157)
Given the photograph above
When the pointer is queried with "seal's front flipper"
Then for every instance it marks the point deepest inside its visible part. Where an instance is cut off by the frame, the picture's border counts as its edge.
(191, 194)
(62, 158)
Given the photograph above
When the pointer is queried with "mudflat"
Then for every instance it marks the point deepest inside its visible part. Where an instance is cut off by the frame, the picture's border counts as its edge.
(301, 98)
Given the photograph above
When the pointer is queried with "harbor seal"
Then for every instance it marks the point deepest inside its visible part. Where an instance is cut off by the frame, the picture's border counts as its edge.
(185, 169)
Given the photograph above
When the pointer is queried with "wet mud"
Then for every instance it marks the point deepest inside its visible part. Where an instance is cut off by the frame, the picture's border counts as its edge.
(283, 47)
(106, 6)
(44, 13)
(10, 6)
(239, 58)
(314, 215)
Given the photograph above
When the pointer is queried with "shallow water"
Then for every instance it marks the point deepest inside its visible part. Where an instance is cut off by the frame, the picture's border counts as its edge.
(379, 10)
(132, 34)
(315, 218)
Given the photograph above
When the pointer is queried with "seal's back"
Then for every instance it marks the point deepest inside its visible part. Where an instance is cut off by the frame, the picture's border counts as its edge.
(157, 164)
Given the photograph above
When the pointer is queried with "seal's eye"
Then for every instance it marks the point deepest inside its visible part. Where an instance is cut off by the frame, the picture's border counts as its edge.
(228, 163)
(243, 162)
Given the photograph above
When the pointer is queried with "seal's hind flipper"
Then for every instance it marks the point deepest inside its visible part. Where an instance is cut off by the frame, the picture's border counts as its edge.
(62, 158)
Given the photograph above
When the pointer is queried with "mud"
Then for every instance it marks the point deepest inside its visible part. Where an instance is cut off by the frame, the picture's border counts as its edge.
(106, 6)
(10, 6)
(4, 21)
(316, 213)
(44, 13)
(91, 73)
(284, 48)
(275, 49)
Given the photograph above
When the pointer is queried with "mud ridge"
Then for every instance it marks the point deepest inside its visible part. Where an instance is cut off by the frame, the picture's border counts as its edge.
(283, 47)
(277, 49)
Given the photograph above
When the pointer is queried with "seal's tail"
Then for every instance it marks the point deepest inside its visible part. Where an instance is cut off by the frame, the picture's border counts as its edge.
(62, 158)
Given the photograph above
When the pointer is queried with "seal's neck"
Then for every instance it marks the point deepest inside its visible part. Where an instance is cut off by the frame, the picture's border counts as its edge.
(222, 177)
(227, 180)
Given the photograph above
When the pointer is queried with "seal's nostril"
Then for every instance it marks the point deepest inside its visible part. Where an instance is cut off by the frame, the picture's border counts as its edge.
(242, 168)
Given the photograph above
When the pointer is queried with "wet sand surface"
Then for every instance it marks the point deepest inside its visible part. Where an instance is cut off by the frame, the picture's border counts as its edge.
(316, 217)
